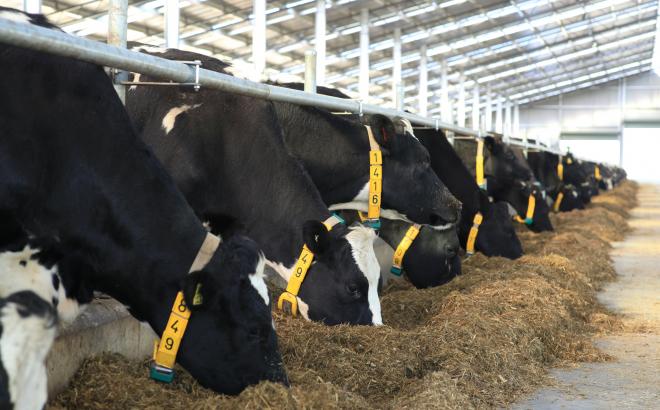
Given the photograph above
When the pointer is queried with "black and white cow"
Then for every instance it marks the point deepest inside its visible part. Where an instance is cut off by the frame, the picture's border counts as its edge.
(227, 155)
(496, 235)
(73, 170)
(545, 168)
(580, 176)
(431, 260)
(335, 151)
(30, 292)
(508, 178)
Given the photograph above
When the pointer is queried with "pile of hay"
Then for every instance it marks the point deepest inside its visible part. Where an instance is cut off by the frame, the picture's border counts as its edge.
(483, 340)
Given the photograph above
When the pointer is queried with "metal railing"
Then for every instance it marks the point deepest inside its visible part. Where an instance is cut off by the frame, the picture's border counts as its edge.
(59, 43)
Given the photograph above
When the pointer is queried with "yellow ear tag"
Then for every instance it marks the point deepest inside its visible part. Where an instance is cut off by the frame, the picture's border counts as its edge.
(198, 299)
(481, 181)
(300, 271)
(560, 171)
(557, 204)
(404, 245)
(597, 173)
(474, 231)
(529, 216)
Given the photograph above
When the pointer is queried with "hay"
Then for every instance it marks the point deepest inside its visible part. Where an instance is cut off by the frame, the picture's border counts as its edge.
(482, 340)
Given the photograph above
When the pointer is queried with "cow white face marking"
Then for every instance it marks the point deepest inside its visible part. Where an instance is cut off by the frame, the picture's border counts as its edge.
(16, 16)
(361, 239)
(18, 272)
(257, 279)
(303, 308)
(24, 345)
(170, 118)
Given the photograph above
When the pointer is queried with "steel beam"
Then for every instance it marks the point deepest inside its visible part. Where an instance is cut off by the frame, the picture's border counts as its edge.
(319, 37)
(172, 23)
(364, 54)
(259, 38)
(117, 31)
(423, 85)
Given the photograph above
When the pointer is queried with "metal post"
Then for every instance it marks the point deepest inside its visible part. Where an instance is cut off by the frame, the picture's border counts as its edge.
(488, 111)
(397, 87)
(516, 121)
(445, 108)
(476, 123)
(59, 43)
(423, 83)
(32, 6)
(507, 120)
(320, 31)
(498, 115)
(117, 29)
(310, 71)
(259, 38)
(460, 110)
(172, 23)
(364, 55)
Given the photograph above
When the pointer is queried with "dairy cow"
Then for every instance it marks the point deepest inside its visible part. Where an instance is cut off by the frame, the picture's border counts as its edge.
(496, 235)
(227, 155)
(508, 178)
(545, 168)
(335, 151)
(73, 170)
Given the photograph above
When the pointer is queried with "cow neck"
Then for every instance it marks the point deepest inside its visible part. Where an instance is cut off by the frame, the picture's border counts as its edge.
(246, 172)
(344, 141)
(139, 230)
(451, 170)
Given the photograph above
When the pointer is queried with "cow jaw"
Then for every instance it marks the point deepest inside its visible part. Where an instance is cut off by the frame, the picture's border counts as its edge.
(361, 239)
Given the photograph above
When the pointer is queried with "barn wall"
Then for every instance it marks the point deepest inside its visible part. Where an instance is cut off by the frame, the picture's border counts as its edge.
(599, 112)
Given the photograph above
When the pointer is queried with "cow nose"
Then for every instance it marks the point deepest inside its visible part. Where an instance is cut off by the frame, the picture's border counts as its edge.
(451, 251)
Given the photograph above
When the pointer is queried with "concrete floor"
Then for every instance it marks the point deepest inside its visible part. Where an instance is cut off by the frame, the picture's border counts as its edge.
(633, 380)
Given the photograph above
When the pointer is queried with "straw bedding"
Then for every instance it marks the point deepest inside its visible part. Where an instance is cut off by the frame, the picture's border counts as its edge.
(481, 341)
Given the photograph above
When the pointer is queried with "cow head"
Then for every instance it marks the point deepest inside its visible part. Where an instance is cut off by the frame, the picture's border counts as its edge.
(409, 184)
(503, 166)
(230, 342)
(571, 199)
(341, 286)
(497, 235)
(432, 259)
(518, 197)
(577, 175)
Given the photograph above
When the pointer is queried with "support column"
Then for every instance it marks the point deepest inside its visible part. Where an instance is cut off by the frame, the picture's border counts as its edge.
(32, 6)
(445, 107)
(507, 120)
(397, 85)
(320, 32)
(476, 120)
(364, 55)
(172, 23)
(498, 115)
(516, 121)
(460, 110)
(488, 111)
(259, 38)
(310, 71)
(117, 29)
(423, 83)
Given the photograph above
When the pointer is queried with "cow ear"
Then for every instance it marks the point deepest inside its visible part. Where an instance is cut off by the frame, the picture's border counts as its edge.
(383, 130)
(195, 289)
(316, 237)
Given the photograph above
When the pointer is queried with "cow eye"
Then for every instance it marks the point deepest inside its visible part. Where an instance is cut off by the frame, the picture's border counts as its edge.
(354, 290)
